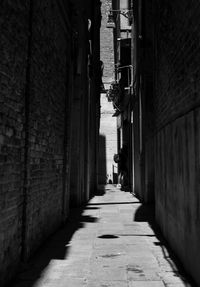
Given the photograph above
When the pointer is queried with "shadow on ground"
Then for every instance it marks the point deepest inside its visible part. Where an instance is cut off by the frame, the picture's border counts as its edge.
(100, 191)
(55, 248)
(146, 213)
(103, 188)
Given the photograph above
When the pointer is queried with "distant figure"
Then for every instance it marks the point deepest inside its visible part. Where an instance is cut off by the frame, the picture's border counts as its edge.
(121, 159)
(101, 71)
(109, 180)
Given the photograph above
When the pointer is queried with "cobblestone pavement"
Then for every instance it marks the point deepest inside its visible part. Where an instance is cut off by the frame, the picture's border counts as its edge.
(112, 242)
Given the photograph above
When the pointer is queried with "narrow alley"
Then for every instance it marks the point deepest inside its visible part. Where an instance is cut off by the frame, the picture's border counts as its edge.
(113, 241)
(99, 143)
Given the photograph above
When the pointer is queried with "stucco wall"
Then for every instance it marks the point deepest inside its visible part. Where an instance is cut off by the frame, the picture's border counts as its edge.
(177, 187)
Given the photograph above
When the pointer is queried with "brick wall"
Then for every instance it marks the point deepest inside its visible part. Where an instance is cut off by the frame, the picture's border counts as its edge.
(46, 122)
(34, 73)
(106, 47)
(177, 125)
(48, 106)
(13, 64)
(178, 71)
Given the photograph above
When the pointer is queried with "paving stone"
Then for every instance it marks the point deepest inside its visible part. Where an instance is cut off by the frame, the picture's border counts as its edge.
(146, 284)
(142, 275)
(178, 285)
(99, 244)
(108, 284)
(109, 274)
(72, 282)
(115, 251)
(171, 277)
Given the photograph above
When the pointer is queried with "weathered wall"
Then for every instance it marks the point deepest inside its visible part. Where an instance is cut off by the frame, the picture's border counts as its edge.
(79, 113)
(177, 187)
(13, 65)
(34, 62)
(85, 104)
(177, 125)
(46, 122)
(94, 103)
(147, 102)
(107, 48)
(49, 102)
(143, 108)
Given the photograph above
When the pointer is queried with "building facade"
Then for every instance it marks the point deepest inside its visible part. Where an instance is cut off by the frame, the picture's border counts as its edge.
(49, 119)
(165, 122)
(120, 92)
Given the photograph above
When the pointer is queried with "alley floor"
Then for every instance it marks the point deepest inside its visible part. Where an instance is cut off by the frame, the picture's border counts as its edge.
(112, 242)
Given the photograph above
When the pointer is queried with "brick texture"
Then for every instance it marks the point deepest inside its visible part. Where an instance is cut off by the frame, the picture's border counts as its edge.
(47, 119)
(13, 62)
(178, 72)
(34, 80)
(43, 74)
(106, 47)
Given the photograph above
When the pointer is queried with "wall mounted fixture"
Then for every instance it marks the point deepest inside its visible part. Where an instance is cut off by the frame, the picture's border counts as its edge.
(118, 70)
(111, 20)
(113, 15)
